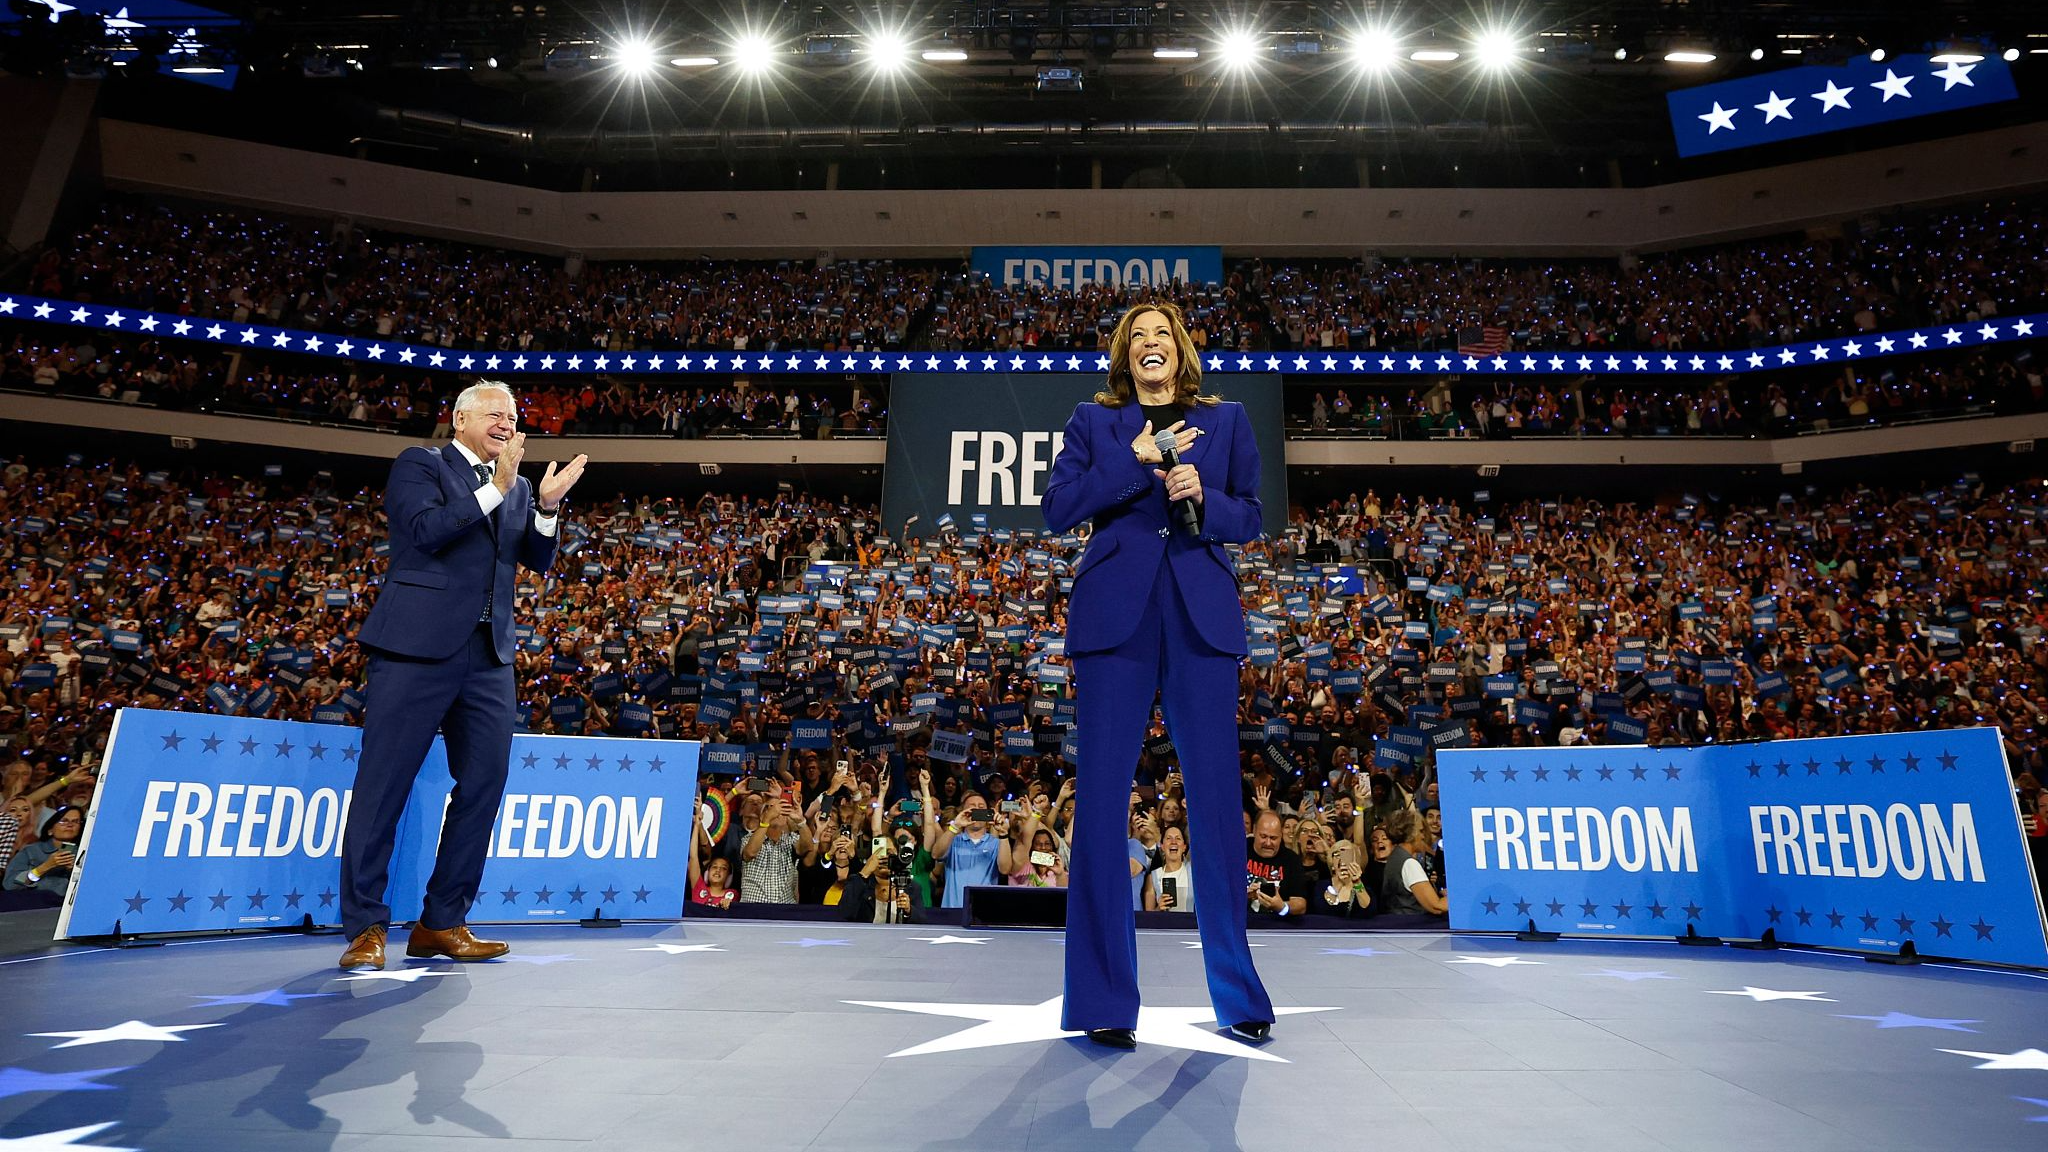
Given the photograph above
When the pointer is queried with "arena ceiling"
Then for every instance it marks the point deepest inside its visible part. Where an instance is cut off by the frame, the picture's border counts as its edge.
(1066, 92)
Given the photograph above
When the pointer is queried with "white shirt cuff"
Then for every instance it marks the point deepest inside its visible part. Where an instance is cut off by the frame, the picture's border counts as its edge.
(546, 523)
(488, 498)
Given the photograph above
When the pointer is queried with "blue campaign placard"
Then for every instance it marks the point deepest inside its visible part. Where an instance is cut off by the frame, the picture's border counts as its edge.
(209, 823)
(1859, 842)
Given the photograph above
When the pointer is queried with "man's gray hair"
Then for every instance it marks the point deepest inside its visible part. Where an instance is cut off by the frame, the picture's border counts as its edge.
(472, 396)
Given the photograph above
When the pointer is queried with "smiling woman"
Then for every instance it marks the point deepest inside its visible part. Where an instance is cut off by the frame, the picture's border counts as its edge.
(1155, 611)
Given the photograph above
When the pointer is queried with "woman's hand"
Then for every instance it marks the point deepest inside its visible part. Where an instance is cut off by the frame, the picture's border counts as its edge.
(1148, 449)
(1182, 483)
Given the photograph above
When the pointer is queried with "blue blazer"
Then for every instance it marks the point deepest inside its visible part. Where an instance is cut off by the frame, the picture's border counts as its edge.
(444, 556)
(1096, 477)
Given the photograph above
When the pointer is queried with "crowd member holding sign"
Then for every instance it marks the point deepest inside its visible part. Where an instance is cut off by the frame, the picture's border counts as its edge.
(462, 521)
(1167, 476)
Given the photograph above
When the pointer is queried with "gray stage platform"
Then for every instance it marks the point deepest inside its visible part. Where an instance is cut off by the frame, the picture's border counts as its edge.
(767, 1036)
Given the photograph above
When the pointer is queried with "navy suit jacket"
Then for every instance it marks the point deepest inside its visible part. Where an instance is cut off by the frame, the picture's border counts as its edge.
(1096, 477)
(444, 556)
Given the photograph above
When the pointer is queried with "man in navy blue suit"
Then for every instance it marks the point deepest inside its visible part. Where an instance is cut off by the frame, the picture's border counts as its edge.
(462, 520)
(1155, 611)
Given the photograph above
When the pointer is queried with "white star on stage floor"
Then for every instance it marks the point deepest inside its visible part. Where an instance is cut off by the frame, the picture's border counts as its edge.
(951, 939)
(1002, 1024)
(2024, 1060)
(1197, 945)
(1493, 961)
(1630, 974)
(1908, 1020)
(65, 1139)
(402, 975)
(679, 949)
(126, 1030)
(1763, 995)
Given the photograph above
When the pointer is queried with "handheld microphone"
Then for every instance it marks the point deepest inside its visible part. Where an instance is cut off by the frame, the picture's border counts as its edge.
(1183, 512)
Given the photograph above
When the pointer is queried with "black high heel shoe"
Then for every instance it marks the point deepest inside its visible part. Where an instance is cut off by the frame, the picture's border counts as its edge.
(1254, 1031)
(1121, 1038)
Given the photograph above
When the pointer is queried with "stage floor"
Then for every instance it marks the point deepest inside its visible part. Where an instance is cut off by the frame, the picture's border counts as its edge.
(768, 1036)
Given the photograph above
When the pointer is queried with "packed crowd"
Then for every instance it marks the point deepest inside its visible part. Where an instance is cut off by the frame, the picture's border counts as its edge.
(1970, 384)
(249, 268)
(1919, 268)
(163, 374)
(1944, 265)
(1380, 627)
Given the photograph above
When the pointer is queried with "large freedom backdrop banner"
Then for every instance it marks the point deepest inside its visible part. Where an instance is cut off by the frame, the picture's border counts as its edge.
(979, 448)
(1856, 842)
(217, 822)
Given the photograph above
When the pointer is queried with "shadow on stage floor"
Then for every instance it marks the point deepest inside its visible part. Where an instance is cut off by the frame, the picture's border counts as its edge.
(778, 1035)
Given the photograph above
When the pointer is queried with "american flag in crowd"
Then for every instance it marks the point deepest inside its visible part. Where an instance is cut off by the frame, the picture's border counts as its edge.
(1488, 341)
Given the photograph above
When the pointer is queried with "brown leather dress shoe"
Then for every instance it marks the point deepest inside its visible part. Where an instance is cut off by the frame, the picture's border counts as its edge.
(456, 943)
(366, 950)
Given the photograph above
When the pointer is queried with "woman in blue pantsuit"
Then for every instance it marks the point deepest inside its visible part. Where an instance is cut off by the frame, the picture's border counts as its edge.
(1155, 609)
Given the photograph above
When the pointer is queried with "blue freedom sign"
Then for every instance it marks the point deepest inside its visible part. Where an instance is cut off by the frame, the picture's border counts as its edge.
(1858, 842)
(1114, 266)
(209, 823)
(1795, 102)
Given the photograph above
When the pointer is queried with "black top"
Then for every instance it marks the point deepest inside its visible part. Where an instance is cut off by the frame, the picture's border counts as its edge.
(1162, 416)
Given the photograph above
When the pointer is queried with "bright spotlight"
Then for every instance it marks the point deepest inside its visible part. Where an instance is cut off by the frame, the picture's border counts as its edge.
(1238, 49)
(753, 53)
(2009, 55)
(944, 55)
(1686, 57)
(1496, 49)
(1376, 50)
(887, 51)
(694, 61)
(634, 57)
(1877, 55)
(1756, 53)
(1621, 53)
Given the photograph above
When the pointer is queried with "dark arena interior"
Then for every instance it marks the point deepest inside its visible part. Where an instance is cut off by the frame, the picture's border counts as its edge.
(1625, 464)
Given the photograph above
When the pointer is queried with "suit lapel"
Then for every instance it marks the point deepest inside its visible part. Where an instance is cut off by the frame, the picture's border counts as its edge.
(1204, 417)
(463, 474)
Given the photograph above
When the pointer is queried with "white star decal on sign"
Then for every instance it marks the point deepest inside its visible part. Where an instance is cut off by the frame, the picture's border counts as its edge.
(1301, 363)
(1832, 98)
(7, 305)
(1893, 84)
(43, 311)
(1786, 356)
(436, 359)
(519, 363)
(406, 355)
(1917, 339)
(147, 323)
(951, 939)
(1719, 118)
(45, 1141)
(126, 1030)
(959, 363)
(249, 335)
(491, 364)
(1585, 362)
(2023, 327)
(2024, 1060)
(1215, 363)
(180, 328)
(1988, 332)
(1329, 363)
(1001, 1024)
(1820, 351)
(465, 363)
(1852, 348)
(402, 975)
(1765, 995)
(1776, 108)
(376, 351)
(114, 319)
(78, 315)
(279, 339)
(1951, 336)
(344, 348)
(1493, 961)
(1724, 363)
(679, 949)
(1956, 72)
(1886, 344)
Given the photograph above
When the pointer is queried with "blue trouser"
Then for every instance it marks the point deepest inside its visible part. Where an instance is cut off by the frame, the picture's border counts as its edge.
(468, 698)
(1113, 706)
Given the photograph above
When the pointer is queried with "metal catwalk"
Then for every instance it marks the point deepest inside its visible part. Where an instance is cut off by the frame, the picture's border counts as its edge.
(769, 1036)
